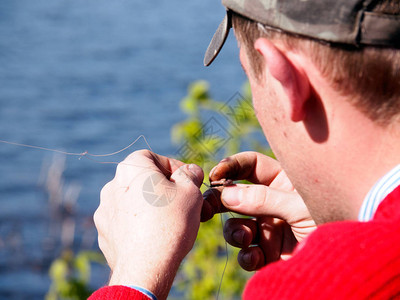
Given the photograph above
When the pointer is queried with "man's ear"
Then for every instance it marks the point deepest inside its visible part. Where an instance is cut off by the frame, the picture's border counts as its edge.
(294, 82)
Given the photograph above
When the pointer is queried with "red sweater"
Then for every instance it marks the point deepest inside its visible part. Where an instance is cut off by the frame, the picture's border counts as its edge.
(342, 260)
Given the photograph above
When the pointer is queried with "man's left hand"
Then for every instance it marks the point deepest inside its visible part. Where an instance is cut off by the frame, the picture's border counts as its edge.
(148, 220)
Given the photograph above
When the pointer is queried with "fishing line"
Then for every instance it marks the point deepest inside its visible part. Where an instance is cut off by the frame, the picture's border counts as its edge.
(226, 261)
(226, 245)
(90, 156)
(81, 154)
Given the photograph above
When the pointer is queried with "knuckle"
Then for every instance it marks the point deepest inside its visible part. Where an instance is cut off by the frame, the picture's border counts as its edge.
(228, 229)
(133, 159)
(102, 246)
(120, 167)
(105, 191)
(143, 152)
(139, 153)
(229, 224)
(124, 165)
(96, 218)
(244, 259)
(260, 195)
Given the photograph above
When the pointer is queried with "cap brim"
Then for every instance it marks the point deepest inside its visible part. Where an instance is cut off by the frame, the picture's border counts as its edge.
(218, 39)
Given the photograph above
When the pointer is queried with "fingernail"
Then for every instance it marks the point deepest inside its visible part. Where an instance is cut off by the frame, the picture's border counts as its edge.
(238, 236)
(247, 258)
(212, 170)
(231, 196)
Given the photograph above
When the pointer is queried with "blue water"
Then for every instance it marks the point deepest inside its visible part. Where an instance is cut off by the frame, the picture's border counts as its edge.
(91, 76)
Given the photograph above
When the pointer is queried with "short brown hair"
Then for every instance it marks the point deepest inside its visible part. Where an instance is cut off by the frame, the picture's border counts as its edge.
(369, 76)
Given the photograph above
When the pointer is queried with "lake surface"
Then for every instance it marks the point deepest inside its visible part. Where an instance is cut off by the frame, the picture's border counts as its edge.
(91, 76)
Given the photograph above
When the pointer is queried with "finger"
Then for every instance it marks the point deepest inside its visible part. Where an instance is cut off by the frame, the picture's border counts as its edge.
(251, 259)
(188, 173)
(252, 166)
(97, 219)
(106, 191)
(206, 212)
(241, 233)
(144, 161)
(166, 164)
(148, 159)
(260, 200)
(271, 237)
(212, 204)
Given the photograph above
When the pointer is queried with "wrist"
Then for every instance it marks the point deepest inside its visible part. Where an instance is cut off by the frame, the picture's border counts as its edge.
(149, 294)
(155, 279)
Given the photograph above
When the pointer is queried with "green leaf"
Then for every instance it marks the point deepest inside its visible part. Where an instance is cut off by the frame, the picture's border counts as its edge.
(199, 90)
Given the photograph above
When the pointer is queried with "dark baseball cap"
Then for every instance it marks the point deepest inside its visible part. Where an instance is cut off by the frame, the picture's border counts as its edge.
(346, 22)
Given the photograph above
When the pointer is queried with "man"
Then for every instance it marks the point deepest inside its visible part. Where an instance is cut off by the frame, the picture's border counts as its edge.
(325, 80)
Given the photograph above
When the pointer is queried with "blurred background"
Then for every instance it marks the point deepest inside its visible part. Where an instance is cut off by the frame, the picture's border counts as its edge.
(92, 76)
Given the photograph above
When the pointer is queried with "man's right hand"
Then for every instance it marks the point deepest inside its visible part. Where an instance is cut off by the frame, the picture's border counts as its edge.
(281, 217)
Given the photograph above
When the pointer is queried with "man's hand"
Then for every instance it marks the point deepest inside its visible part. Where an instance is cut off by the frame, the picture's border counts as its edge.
(281, 217)
(148, 220)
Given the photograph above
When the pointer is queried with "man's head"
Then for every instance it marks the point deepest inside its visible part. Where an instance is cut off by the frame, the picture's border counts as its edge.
(298, 54)
(369, 74)
(347, 49)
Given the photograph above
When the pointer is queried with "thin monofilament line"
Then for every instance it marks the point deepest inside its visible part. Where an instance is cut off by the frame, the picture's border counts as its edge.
(43, 148)
(85, 153)
(89, 156)
(226, 247)
(125, 148)
(226, 261)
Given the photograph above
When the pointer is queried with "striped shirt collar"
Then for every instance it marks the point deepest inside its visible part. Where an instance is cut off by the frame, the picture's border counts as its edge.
(381, 189)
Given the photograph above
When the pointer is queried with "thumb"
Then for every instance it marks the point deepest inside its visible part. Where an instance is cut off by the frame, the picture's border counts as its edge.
(261, 200)
(188, 173)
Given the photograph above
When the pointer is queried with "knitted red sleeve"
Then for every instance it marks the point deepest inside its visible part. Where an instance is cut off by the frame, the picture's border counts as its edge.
(117, 292)
(344, 260)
